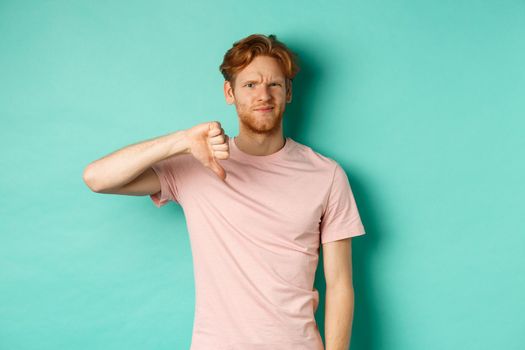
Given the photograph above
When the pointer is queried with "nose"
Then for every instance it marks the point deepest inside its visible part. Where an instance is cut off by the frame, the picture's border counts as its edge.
(264, 93)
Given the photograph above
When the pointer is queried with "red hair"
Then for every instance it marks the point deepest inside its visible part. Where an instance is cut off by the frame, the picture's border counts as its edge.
(245, 50)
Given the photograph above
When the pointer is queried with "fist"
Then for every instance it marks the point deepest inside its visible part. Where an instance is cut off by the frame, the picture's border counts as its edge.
(207, 143)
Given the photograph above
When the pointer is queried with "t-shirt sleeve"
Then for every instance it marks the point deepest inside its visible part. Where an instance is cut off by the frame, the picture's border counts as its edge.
(340, 218)
(169, 172)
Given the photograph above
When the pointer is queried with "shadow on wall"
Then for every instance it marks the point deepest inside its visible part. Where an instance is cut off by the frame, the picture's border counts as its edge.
(307, 87)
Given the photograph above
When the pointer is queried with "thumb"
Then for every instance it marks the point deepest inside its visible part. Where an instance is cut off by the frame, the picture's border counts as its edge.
(217, 169)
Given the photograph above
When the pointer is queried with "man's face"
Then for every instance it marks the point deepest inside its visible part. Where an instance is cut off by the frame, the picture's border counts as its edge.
(260, 84)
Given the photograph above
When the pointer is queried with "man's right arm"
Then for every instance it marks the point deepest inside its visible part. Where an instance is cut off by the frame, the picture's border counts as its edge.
(128, 170)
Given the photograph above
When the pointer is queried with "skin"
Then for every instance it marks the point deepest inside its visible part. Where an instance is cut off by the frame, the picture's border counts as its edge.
(339, 303)
(261, 83)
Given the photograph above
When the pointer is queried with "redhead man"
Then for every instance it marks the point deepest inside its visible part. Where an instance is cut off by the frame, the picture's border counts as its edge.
(258, 208)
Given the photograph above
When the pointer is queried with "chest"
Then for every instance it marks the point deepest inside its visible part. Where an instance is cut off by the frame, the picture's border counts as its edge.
(282, 207)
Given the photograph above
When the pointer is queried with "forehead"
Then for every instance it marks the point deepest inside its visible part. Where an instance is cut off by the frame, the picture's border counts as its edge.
(262, 67)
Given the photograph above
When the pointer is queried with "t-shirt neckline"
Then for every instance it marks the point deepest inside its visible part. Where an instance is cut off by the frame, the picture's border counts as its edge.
(253, 158)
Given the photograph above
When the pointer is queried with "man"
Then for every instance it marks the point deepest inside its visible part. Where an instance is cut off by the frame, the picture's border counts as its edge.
(257, 207)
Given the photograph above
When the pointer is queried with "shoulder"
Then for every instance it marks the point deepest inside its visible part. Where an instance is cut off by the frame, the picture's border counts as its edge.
(314, 158)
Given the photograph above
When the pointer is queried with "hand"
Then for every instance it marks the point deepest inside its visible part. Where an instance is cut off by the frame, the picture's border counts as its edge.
(207, 143)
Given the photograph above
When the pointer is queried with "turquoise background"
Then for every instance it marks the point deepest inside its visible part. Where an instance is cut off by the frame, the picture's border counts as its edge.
(421, 102)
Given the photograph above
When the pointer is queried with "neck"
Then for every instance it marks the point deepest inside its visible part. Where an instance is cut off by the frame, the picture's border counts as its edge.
(259, 144)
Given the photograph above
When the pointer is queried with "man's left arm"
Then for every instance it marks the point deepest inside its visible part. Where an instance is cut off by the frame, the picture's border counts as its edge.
(339, 304)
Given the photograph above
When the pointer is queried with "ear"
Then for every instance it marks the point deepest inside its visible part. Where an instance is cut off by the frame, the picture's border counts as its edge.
(228, 92)
(289, 91)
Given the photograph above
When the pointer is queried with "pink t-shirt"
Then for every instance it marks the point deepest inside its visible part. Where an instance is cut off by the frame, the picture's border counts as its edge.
(255, 242)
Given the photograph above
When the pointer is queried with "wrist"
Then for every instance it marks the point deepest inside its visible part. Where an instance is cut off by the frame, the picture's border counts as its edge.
(179, 143)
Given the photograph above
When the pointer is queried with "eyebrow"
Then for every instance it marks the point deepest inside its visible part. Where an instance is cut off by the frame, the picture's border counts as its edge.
(255, 81)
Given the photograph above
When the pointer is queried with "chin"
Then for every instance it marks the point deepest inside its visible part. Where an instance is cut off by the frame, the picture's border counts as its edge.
(262, 128)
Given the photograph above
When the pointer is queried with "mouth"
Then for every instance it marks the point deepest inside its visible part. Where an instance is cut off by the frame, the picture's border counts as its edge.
(264, 109)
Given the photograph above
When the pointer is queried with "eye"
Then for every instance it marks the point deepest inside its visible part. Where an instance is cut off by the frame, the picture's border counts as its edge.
(276, 84)
(249, 84)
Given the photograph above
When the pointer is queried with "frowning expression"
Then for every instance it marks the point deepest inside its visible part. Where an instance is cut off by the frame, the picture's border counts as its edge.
(260, 94)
